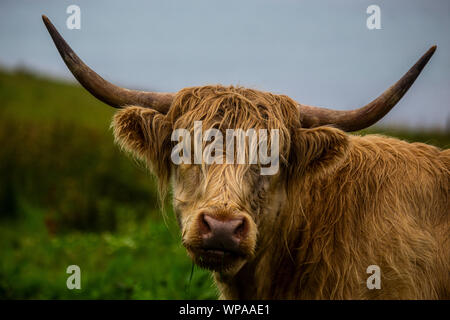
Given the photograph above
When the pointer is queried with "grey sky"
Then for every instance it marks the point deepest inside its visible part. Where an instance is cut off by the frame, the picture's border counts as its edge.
(317, 52)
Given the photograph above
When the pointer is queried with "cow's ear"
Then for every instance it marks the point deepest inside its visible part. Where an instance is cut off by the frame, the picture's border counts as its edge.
(318, 150)
(146, 134)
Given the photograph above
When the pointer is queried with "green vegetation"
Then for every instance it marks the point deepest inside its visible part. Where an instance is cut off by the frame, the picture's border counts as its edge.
(69, 196)
(438, 138)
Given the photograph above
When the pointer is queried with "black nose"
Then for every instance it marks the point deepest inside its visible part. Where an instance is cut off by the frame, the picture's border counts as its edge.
(222, 234)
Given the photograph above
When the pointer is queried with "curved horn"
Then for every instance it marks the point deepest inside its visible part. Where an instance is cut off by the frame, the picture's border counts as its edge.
(364, 117)
(103, 90)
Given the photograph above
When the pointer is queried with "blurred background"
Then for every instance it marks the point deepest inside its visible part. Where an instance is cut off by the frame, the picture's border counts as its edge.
(69, 196)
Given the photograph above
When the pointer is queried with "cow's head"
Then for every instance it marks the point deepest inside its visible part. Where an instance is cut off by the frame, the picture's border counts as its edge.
(223, 207)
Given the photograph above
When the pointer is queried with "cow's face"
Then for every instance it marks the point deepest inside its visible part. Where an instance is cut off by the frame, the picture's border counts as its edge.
(225, 209)
(219, 209)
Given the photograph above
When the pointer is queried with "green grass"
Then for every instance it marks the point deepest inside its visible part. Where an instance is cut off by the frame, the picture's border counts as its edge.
(27, 96)
(144, 262)
(439, 138)
(69, 196)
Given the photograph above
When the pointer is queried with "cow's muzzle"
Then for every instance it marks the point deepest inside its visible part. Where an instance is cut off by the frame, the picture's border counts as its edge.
(220, 240)
(222, 234)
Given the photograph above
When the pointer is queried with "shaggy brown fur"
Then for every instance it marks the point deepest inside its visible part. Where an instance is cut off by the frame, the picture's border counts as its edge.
(338, 204)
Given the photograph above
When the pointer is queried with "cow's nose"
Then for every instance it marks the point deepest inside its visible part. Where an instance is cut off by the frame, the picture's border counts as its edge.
(222, 233)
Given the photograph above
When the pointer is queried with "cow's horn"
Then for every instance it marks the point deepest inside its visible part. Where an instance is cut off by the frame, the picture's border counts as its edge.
(103, 90)
(364, 117)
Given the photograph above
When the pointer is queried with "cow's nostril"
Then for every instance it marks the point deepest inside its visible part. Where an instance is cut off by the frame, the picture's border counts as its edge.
(241, 229)
(227, 226)
(204, 227)
(222, 233)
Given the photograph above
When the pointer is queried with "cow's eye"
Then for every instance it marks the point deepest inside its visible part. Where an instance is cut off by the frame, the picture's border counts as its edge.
(180, 203)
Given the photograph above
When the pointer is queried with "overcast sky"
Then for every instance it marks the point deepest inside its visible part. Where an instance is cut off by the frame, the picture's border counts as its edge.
(317, 52)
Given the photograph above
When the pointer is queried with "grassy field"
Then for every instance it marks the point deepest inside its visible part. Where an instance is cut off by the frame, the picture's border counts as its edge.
(69, 196)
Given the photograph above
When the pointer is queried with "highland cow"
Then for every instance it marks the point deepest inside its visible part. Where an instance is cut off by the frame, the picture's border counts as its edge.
(338, 203)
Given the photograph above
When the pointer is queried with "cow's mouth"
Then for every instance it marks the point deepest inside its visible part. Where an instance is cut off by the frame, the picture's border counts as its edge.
(216, 259)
